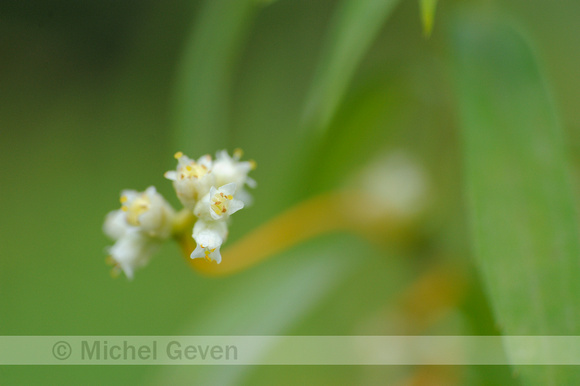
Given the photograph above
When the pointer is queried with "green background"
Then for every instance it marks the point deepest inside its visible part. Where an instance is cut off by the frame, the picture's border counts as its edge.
(95, 97)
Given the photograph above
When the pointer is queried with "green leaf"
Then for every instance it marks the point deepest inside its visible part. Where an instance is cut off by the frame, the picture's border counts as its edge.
(203, 80)
(522, 210)
(427, 15)
(353, 28)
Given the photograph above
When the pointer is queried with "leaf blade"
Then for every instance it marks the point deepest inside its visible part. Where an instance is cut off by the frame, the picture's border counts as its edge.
(353, 28)
(524, 219)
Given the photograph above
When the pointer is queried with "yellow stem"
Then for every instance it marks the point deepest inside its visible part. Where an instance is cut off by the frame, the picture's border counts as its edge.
(183, 224)
(313, 217)
(322, 214)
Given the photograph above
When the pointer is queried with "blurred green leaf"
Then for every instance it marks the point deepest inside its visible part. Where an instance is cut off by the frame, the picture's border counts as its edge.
(522, 211)
(370, 110)
(427, 15)
(204, 74)
(353, 28)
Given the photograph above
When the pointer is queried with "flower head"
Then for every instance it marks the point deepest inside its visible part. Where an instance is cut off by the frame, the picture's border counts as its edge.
(148, 211)
(143, 222)
(219, 203)
(215, 191)
(209, 236)
(230, 169)
(210, 191)
(192, 179)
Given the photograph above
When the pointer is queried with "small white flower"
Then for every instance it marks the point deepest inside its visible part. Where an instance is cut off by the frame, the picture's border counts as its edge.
(148, 211)
(143, 222)
(209, 236)
(192, 179)
(132, 251)
(219, 203)
(228, 169)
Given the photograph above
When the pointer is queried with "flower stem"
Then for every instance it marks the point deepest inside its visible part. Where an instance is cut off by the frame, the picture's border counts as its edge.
(319, 215)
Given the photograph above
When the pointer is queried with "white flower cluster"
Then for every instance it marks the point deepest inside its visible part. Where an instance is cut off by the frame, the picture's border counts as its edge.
(139, 227)
(212, 190)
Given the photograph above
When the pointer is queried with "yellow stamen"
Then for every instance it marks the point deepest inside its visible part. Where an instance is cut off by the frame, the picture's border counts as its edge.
(178, 155)
(123, 199)
(207, 254)
(238, 153)
(253, 164)
(194, 170)
(136, 208)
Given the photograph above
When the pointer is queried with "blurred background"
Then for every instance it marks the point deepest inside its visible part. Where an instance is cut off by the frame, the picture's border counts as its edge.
(96, 97)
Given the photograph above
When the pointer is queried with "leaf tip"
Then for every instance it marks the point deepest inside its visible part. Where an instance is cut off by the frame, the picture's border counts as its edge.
(427, 16)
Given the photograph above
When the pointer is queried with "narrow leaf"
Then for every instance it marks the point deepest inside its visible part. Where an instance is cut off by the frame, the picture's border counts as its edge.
(520, 197)
(427, 15)
(354, 26)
